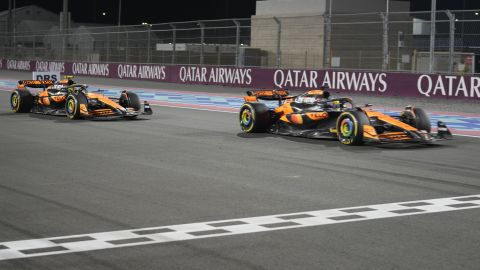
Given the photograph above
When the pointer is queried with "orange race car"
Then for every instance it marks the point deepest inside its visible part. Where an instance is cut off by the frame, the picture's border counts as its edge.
(74, 100)
(314, 114)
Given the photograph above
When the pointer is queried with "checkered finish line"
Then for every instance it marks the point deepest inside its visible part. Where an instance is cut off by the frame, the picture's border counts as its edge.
(154, 235)
(460, 124)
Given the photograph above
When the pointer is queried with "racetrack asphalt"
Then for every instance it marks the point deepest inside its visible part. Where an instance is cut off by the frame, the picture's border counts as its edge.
(60, 177)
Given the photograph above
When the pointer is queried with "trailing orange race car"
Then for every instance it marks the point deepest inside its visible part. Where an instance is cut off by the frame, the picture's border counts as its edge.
(74, 100)
(314, 114)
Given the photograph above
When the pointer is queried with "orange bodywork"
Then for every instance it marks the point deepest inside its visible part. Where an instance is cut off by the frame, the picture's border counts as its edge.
(284, 110)
(104, 99)
(102, 112)
(315, 92)
(315, 116)
(250, 98)
(43, 98)
(389, 119)
(370, 133)
(269, 93)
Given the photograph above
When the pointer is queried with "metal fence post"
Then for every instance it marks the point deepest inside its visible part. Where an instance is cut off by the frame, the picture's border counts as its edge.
(148, 43)
(451, 47)
(202, 41)
(126, 46)
(386, 22)
(108, 47)
(174, 41)
(385, 54)
(279, 40)
(432, 34)
(64, 43)
(74, 52)
(34, 46)
(327, 42)
(399, 45)
(327, 39)
(237, 43)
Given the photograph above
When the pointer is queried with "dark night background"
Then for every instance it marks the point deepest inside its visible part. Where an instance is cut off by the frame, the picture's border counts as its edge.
(138, 11)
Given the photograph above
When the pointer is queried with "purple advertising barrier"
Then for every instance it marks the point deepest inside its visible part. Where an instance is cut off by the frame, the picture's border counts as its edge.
(379, 83)
(18, 65)
(119, 71)
(215, 75)
(342, 81)
(347, 81)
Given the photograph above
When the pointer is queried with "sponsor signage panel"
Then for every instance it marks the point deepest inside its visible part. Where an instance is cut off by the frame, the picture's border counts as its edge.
(44, 75)
(347, 81)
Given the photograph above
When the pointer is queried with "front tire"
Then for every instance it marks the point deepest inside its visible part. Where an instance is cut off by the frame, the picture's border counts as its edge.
(350, 127)
(417, 118)
(73, 103)
(421, 121)
(130, 100)
(254, 117)
(21, 101)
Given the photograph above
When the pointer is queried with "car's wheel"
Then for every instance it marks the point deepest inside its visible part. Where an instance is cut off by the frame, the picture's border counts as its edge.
(254, 117)
(421, 120)
(73, 103)
(21, 101)
(350, 127)
(130, 100)
(416, 118)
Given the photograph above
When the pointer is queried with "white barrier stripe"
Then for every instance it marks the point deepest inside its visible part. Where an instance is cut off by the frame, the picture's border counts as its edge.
(190, 231)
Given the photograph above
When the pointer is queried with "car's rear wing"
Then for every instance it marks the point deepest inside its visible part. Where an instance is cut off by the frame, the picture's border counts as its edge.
(67, 80)
(253, 95)
(34, 83)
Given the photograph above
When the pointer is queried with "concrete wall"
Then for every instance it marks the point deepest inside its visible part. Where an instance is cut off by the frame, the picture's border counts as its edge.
(302, 7)
(301, 40)
(362, 6)
(290, 7)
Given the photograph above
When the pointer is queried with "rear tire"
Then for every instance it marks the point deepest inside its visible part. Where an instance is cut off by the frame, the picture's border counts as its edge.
(130, 100)
(350, 127)
(21, 101)
(254, 117)
(73, 103)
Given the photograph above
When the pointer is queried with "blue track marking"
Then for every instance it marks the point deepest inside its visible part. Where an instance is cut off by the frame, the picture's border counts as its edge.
(463, 124)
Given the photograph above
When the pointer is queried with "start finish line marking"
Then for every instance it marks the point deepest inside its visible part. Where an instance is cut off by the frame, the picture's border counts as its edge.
(181, 232)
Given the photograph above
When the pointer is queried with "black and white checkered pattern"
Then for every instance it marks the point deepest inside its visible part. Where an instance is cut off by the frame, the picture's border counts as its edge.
(181, 232)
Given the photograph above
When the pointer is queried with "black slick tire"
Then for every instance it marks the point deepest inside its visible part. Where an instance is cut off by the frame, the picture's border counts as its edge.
(421, 120)
(254, 117)
(350, 127)
(130, 100)
(73, 103)
(21, 101)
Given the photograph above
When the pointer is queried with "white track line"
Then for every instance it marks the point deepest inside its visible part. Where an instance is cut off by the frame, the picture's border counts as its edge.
(181, 232)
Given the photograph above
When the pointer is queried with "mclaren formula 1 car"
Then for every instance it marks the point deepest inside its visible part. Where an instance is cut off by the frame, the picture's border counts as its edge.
(73, 100)
(314, 114)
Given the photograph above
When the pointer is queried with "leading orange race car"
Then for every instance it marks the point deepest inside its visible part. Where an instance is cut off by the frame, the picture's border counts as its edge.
(314, 114)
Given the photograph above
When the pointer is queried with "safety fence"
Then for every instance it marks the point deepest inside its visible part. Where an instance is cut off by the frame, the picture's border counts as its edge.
(392, 41)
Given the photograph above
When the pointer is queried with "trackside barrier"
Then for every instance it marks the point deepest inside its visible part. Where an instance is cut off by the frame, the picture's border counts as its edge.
(363, 82)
